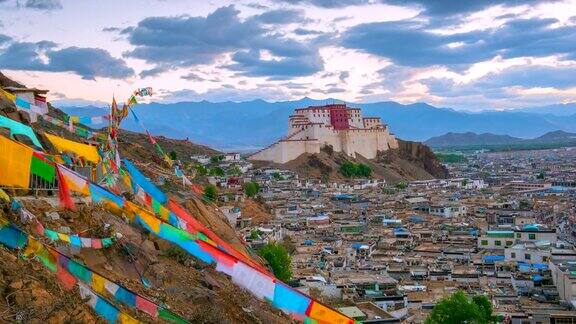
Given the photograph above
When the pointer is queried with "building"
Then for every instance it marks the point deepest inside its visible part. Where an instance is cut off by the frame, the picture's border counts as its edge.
(335, 125)
(496, 240)
(448, 210)
(564, 277)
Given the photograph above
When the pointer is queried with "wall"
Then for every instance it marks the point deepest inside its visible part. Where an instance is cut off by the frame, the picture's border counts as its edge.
(284, 151)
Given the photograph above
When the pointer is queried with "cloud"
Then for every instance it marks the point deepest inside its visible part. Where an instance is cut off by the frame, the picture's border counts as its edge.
(45, 56)
(4, 38)
(192, 77)
(327, 3)
(411, 44)
(330, 90)
(111, 29)
(304, 32)
(281, 17)
(183, 41)
(445, 8)
(43, 4)
(343, 76)
(494, 85)
(250, 63)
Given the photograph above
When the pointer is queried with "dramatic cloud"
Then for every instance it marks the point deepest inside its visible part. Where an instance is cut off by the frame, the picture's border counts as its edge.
(173, 42)
(493, 85)
(43, 4)
(251, 64)
(410, 44)
(44, 56)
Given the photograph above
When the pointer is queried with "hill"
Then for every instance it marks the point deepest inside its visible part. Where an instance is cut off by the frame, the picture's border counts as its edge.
(487, 140)
(138, 260)
(411, 161)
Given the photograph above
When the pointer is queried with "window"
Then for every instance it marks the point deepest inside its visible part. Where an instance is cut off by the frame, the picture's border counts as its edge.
(531, 236)
(527, 256)
(513, 255)
(518, 235)
(498, 243)
(484, 242)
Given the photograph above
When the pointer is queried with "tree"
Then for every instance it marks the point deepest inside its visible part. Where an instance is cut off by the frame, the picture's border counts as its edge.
(251, 189)
(277, 176)
(210, 192)
(216, 158)
(348, 169)
(173, 156)
(459, 308)
(217, 171)
(234, 171)
(200, 169)
(279, 259)
(363, 170)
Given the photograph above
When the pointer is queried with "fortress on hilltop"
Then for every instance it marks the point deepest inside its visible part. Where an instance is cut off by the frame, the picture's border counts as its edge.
(336, 125)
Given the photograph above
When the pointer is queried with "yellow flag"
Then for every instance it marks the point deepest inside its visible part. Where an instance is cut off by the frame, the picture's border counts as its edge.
(89, 152)
(15, 159)
(8, 95)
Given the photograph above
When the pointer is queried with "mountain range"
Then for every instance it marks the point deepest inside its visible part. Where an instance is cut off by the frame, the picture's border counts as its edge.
(470, 139)
(253, 124)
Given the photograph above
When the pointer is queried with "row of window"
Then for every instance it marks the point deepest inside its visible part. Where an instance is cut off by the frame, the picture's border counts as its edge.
(497, 243)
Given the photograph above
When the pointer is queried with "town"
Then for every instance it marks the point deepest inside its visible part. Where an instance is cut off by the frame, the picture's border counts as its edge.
(503, 225)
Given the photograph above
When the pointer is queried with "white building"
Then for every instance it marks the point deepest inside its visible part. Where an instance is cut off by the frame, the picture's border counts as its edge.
(229, 157)
(564, 278)
(448, 210)
(335, 125)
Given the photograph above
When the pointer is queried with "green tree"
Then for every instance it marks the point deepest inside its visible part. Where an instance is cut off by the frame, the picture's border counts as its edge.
(234, 171)
(200, 169)
(459, 308)
(254, 234)
(277, 176)
(251, 189)
(363, 170)
(216, 158)
(279, 259)
(173, 156)
(217, 171)
(210, 192)
(541, 176)
(348, 169)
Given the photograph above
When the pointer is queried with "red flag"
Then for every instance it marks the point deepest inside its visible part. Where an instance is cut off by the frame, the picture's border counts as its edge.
(64, 192)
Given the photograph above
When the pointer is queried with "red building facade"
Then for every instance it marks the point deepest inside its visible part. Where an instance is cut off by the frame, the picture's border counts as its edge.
(339, 116)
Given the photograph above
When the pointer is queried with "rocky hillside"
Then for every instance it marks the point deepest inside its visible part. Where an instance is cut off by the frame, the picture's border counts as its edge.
(29, 293)
(411, 161)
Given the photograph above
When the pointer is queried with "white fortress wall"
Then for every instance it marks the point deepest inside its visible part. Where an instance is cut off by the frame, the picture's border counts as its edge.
(287, 150)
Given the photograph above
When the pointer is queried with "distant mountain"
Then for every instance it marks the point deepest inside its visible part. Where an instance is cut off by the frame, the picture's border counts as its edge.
(470, 139)
(257, 123)
(557, 110)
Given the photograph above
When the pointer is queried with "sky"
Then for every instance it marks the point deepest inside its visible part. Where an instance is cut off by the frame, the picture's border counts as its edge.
(467, 55)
